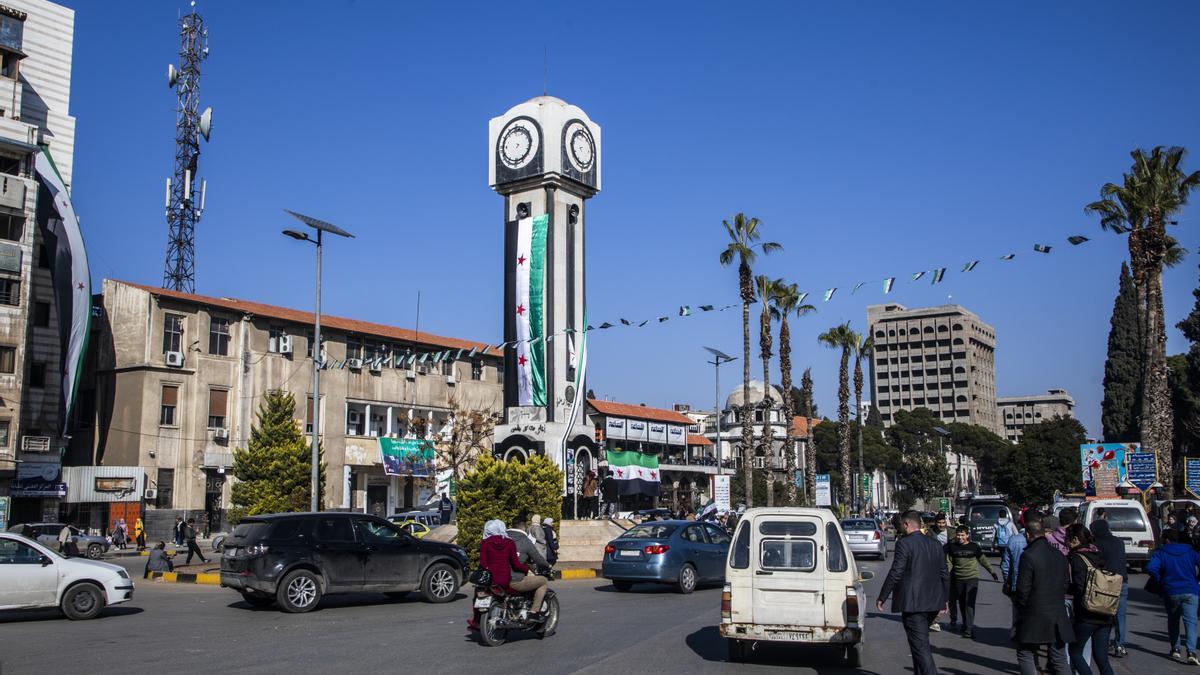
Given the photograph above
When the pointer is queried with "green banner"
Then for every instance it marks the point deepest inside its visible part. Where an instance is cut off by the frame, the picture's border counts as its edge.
(537, 282)
(407, 457)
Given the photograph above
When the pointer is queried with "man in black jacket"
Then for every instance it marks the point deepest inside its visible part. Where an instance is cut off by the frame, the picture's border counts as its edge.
(1041, 614)
(918, 578)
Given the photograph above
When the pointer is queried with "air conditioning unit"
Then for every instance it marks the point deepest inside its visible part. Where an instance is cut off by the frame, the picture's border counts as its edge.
(376, 366)
(450, 380)
(285, 344)
(35, 444)
(354, 364)
(150, 494)
(220, 434)
(175, 359)
(410, 374)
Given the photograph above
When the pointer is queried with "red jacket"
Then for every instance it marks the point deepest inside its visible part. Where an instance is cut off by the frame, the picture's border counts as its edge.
(498, 555)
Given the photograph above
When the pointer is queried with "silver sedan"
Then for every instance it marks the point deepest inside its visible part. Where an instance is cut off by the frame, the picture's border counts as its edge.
(864, 536)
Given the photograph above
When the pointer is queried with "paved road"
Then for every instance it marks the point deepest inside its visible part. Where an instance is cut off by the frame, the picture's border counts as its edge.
(186, 628)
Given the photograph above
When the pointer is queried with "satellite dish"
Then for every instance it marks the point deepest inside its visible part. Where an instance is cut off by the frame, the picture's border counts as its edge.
(206, 123)
(172, 75)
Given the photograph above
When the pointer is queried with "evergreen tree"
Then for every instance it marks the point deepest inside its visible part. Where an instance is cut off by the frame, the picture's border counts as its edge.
(874, 419)
(923, 468)
(1123, 370)
(808, 409)
(274, 471)
(1046, 459)
(1185, 384)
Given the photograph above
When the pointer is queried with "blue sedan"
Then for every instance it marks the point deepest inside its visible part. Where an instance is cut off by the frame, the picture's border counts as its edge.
(678, 552)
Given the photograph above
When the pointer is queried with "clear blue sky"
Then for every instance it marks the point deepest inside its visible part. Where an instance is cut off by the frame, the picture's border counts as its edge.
(874, 140)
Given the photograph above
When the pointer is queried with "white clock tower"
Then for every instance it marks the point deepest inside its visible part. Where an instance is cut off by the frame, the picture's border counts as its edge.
(544, 156)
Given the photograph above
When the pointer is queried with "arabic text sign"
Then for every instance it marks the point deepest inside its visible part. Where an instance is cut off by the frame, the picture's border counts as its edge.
(1191, 477)
(824, 491)
(1143, 469)
(407, 457)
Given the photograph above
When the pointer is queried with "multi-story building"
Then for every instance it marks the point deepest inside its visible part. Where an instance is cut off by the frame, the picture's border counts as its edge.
(941, 358)
(765, 410)
(35, 92)
(178, 378)
(1017, 412)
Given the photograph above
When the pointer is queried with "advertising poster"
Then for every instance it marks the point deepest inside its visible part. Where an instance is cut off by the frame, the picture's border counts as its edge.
(676, 435)
(824, 491)
(1142, 471)
(1103, 468)
(658, 432)
(1191, 477)
(721, 493)
(614, 427)
(407, 457)
(38, 479)
(636, 430)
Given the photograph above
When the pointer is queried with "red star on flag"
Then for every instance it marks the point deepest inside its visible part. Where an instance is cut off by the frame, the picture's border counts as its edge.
(521, 260)
(521, 360)
(81, 285)
(620, 473)
(654, 474)
(520, 309)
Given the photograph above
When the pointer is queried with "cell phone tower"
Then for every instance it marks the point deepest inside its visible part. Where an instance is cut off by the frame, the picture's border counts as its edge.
(185, 192)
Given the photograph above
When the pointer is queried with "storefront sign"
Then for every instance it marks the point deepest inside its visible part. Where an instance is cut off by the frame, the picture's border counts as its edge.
(824, 490)
(676, 435)
(636, 430)
(1143, 469)
(114, 484)
(38, 479)
(658, 432)
(1103, 467)
(614, 427)
(721, 493)
(407, 457)
(1191, 477)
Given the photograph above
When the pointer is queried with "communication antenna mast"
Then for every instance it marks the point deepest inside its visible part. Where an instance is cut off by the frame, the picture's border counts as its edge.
(185, 192)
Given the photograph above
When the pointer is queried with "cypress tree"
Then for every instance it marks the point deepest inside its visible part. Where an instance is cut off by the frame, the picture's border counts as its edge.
(1119, 412)
(1185, 381)
(274, 470)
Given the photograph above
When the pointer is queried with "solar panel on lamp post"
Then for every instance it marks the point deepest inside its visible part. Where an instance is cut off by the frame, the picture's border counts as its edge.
(719, 357)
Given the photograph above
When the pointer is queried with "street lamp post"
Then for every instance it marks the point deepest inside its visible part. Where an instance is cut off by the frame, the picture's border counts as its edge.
(719, 358)
(321, 227)
(941, 434)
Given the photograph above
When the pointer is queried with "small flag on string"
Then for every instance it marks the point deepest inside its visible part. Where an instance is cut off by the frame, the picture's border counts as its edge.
(1041, 248)
(857, 286)
(938, 274)
(663, 318)
(605, 325)
(550, 337)
(917, 275)
(1077, 239)
(970, 266)
(685, 311)
(590, 327)
(1010, 256)
(643, 323)
(626, 322)
(800, 298)
(569, 331)
(706, 308)
(829, 293)
(887, 285)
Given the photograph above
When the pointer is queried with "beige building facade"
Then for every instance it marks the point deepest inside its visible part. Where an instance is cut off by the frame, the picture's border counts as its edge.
(942, 358)
(1018, 412)
(178, 378)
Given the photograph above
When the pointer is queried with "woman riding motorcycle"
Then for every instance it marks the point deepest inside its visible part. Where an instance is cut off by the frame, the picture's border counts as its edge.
(498, 555)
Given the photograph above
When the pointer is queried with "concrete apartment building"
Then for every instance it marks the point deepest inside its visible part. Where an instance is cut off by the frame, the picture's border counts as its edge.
(942, 358)
(35, 92)
(178, 378)
(1017, 412)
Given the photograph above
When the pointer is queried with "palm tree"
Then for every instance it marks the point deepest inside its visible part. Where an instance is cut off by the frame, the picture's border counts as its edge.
(864, 346)
(787, 302)
(767, 288)
(1154, 189)
(808, 411)
(841, 337)
(743, 247)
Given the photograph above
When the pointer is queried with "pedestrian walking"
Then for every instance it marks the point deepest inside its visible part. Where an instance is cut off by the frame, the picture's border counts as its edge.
(964, 558)
(589, 495)
(608, 489)
(1113, 550)
(1058, 538)
(179, 527)
(139, 533)
(537, 533)
(65, 543)
(1010, 564)
(551, 541)
(1042, 616)
(917, 585)
(1091, 622)
(1173, 569)
(189, 537)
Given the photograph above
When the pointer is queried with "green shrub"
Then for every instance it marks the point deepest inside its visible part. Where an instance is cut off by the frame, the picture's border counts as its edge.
(505, 490)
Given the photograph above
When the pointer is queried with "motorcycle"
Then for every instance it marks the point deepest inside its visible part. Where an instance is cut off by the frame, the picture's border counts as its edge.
(501, 612)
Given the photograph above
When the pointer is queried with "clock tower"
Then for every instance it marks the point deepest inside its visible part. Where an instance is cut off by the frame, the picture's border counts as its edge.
(544, 157)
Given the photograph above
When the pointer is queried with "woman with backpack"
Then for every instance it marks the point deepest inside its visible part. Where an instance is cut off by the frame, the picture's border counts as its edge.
(1093, 611)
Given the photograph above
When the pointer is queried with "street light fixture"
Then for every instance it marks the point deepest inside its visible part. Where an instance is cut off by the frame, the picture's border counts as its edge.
(719, 357)
(321, 227)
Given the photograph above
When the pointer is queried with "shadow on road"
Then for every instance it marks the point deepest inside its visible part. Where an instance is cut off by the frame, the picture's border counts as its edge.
(651, 588)
(708, 644)
(25, 615)
(979, 663)
(340, 601)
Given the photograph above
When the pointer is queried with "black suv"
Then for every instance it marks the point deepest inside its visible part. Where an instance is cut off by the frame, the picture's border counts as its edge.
(295, 558)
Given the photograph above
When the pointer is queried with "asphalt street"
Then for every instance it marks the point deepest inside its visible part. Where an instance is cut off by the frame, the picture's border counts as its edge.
(186, 628)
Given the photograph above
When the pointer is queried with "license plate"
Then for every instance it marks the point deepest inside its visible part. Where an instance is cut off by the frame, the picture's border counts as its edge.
(629, 553)
(858, 537)
(483, 603)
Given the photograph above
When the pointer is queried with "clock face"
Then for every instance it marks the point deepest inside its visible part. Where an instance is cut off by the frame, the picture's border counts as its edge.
(582, 148)
(518, 143)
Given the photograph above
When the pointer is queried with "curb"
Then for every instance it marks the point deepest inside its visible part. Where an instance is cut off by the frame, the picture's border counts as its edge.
(187, 578)
(579, 574)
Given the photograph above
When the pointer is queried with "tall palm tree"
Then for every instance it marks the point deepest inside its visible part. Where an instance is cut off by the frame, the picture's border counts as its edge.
(841, 337)
(787, 302)
(768, 289)
(1153, 190)
(743, 247)
(864, 346)
(808, 411)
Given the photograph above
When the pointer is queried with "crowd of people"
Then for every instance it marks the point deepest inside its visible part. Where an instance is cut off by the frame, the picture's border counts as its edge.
(1068, 585)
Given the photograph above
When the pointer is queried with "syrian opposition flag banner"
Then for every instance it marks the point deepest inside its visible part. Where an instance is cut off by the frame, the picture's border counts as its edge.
(636, 473)
(70, 274)
(530, 310)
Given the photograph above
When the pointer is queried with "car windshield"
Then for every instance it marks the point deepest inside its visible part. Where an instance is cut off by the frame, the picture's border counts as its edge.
(1124, 519)
(858, 525)
(650, 532)
(989, 512)
(250, 531)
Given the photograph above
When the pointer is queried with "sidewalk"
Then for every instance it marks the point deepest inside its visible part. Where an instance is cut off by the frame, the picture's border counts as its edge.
(131, 550)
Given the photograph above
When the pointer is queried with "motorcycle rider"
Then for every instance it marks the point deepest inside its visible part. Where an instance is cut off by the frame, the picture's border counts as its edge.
(499, 554)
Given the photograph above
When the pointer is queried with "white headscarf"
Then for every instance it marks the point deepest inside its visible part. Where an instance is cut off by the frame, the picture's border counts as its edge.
(495, 528)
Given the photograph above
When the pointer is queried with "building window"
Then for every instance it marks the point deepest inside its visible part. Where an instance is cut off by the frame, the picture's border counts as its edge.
(308, 336)
(500, 372)
(448, 366)
(10, 292)
(354, 348)
(476, 369)
(218, 336)
(172, 333)
(37, 375)
(218, 402)
(5, 432)
(41, 314)
(274, 336)
(8, 164)
(12, 227)
(170, 400)
(308, 415)
(166, 489)
(8, 360)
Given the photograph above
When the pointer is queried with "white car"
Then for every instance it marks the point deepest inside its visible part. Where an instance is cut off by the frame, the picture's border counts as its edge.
(33, 575)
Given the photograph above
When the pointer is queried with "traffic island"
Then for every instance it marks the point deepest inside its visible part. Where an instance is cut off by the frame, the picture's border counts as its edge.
(208, 578)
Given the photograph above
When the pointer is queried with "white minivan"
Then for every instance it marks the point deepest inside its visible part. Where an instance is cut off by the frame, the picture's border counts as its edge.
(1128, 522)
(790, 578)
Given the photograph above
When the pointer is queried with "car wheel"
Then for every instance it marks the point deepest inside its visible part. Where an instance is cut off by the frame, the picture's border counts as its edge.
(299, 592)
(440, 583)
(83, 602)
(258, 601)
(490, 633)
(737, 650)
(218, 543)
(622, 585)
(687, 579)
(94, 551)
(854, 656)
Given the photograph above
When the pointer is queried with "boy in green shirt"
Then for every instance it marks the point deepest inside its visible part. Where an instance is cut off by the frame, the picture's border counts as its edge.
(964, 558)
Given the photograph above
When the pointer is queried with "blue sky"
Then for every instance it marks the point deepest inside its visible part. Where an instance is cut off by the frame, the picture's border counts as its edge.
(871, 139)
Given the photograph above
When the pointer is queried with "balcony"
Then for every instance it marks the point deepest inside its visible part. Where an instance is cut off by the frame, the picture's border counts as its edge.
(12, 192)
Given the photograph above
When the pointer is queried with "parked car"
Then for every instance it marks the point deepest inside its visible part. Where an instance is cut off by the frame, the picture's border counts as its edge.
(680, 552)
(865, 535)
(47, 533)
(789, 579)
(983, 517)
(650, 514)
(296, 558)
(429, 519)
(1128, 522)
(36, 575)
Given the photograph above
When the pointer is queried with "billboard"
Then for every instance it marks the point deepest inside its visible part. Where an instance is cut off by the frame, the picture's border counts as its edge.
(38, 479)
(635, 430)
(407, 457)
(1141, 468)
(676, 435)
(658, 432)
(824, 491)
(614, 427)
(1104, 467)
(721, 493)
